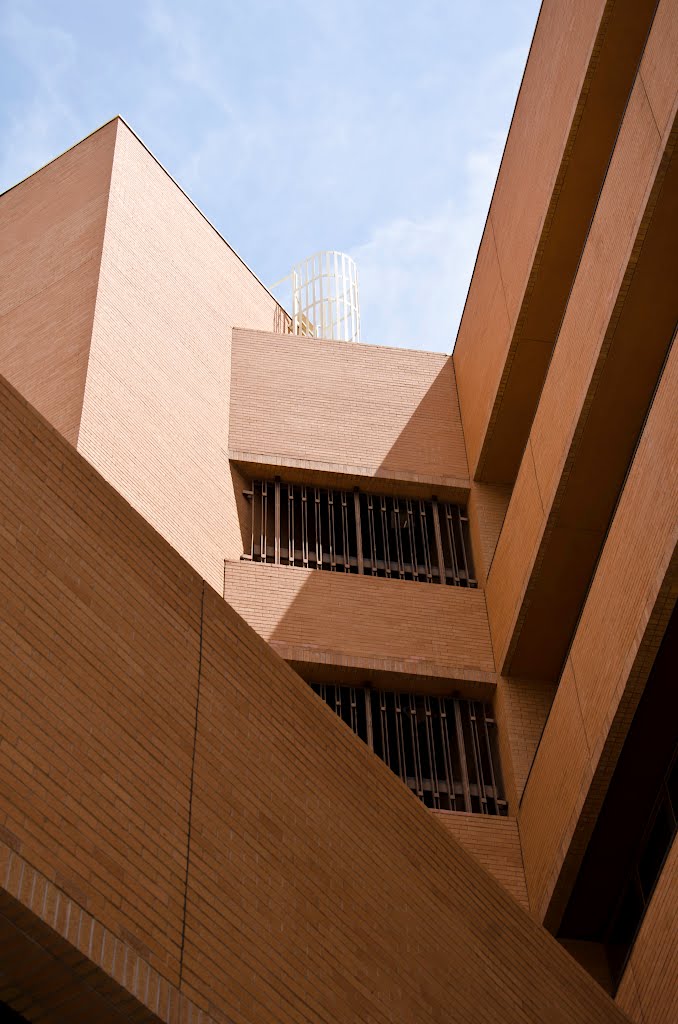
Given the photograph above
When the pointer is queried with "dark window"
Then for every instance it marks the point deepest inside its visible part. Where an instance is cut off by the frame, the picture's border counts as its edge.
(652, 852)
(351, 531)
(636, 824)
(443, 748)
(10, 1016)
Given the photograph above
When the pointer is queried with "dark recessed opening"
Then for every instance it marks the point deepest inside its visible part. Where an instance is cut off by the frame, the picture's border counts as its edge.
(443, 748)
(637, 823)
(418, 539)
(10, 1016)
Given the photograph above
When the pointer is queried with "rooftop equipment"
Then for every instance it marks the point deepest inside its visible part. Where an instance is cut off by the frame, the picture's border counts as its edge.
(325, 301)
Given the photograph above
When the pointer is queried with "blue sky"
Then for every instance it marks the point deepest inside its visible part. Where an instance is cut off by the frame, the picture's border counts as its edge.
(372, 127)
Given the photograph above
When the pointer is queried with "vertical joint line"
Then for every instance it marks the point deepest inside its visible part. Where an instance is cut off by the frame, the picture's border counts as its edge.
(190, 789)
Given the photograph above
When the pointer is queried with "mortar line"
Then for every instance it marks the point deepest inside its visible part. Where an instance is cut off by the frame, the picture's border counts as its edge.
(190, 791)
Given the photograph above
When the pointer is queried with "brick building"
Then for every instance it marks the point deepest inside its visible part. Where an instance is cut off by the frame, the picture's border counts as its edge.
(338, 681)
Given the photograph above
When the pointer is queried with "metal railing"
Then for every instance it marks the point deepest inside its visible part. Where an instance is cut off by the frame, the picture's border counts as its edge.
(324, 297)
(443, 748)
(356, 532)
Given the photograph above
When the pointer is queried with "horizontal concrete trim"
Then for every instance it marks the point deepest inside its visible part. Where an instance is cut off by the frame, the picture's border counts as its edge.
(309, 471)
(387, 673)
(367, 620)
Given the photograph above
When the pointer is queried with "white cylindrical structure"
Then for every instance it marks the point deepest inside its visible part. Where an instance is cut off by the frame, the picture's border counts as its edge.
(325, 302)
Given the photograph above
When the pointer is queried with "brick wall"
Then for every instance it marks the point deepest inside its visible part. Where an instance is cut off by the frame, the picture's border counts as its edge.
(321, 868)
(137, 708)
(555, 73)
(648, 991)
(60, 963)
(629, 604)
(99, 637)
(581, 67)
(495, 843)
(521, 707)
(342, 408)
(487, 506)
(593, 400)
(392, 625)
(155, 413)
(50, 252)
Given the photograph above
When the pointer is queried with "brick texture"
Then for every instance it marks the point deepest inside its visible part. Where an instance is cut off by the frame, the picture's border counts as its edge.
(486, 508)
(649, 988)
(325, 868)
(582, 63)
(546, 106)
(521, 708)
(359, 410)
(97, 726)
(629, 604)
(518, 540)
(58, 959)
(50, 252)
(554, 799)
(552, 524)
(187, 833)
(172, 754)
(155, 413)
(393, 625)
(658, 66)
(495, 843)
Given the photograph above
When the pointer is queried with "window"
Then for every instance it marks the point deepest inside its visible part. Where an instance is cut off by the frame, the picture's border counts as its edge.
(650, 856)
(356, 532)
(635, 826)
(443, 748)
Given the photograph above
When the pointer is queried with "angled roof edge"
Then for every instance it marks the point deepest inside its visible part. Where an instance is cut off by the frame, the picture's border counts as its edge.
(442, 356)
(119, 117)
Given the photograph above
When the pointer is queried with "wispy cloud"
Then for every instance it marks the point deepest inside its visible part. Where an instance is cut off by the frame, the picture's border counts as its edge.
(414, 274)
(187, 60)
(373, 128)
(32, 126)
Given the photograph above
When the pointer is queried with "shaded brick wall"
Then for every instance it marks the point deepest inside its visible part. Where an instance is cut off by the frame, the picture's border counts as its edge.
(135, 703)
(558, 513)
(649, 988)
(343, 408)
(338, 619)
(487, 506)
(495, 843)
(51, 236)
(629, 604)
(155, 414)
(521, 707)
(581, 67)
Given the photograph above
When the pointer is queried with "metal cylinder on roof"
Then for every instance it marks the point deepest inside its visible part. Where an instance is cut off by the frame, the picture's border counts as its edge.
(325, 302)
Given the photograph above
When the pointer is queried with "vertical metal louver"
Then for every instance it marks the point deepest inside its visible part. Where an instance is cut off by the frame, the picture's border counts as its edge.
(351, 531)
(443, 748)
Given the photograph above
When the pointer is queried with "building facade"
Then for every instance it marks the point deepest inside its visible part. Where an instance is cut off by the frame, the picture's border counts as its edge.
(338, 681)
